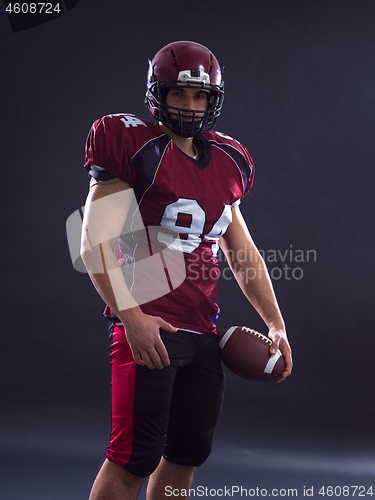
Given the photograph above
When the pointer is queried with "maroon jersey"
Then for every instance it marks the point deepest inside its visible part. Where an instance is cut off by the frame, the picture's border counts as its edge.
(176, 194)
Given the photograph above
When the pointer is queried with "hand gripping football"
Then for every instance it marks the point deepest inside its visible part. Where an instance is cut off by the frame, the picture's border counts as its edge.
(246, 353)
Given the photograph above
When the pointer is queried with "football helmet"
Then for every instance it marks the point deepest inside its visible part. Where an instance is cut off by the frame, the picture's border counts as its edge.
(178, 65)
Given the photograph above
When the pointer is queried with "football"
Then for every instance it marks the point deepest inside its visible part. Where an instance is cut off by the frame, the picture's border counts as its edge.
(246, 353)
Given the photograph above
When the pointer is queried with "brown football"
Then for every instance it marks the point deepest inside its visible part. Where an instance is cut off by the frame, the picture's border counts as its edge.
(246, 353)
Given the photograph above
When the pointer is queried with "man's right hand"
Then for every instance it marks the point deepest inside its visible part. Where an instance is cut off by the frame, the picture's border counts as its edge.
(142, 333)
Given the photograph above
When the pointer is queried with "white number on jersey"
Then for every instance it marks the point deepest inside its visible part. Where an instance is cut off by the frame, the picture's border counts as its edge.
(219, 228)
(191, 208)
(132, 121)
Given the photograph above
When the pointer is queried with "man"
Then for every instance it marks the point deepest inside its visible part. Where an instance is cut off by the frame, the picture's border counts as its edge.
(166, 378)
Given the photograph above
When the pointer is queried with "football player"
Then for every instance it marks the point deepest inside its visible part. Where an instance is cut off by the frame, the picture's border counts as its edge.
(188, 181)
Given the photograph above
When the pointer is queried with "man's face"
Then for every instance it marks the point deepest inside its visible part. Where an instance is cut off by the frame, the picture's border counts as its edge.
(189, 99)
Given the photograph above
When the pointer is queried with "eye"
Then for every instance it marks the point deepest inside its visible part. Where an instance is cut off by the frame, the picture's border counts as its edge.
(175, 93)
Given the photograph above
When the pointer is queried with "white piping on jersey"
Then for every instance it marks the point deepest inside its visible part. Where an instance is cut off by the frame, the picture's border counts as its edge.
(193, 331)
(119, 323)
(157, 168)
(148, 142)
(140, 201)
(217, 145)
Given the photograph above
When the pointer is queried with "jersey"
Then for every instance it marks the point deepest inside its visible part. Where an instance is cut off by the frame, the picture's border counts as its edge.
(177, 195)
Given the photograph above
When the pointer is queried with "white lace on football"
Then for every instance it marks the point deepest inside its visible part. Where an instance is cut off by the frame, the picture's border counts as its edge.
(257, 334)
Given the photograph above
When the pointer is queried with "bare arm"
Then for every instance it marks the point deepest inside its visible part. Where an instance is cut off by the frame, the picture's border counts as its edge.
(106, 209)
(252, 276)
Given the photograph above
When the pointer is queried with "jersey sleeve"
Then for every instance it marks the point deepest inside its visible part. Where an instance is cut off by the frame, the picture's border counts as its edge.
(241, 158)
(248, 173)
(107, 148)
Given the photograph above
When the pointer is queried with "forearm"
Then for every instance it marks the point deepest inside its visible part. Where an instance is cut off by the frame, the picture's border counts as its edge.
(106, 211)
(253, 278)
(108, 279)
(250, 270)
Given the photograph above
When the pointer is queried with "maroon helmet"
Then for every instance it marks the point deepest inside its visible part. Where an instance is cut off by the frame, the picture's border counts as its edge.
(184, 64)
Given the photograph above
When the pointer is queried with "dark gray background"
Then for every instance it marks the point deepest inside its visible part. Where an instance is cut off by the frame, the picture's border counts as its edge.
(300, 80)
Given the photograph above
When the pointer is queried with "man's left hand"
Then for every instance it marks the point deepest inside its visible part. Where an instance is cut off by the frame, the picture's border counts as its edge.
(280, 341)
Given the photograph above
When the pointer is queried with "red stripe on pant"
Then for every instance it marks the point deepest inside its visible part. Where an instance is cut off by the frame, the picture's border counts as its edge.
(122, 398)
